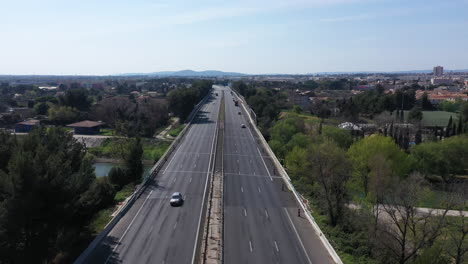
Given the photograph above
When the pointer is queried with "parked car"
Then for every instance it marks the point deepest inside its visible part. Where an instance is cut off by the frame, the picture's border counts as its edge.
(176, 199)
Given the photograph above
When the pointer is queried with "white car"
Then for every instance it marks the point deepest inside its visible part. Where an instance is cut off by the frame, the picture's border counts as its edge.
(176, 199)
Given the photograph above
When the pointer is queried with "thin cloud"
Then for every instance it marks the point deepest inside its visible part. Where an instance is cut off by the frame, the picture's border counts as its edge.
(347, 18)
(248, 8)
(392, 13)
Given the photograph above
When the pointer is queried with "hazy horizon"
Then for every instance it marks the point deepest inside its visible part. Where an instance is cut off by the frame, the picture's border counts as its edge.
(253, 37)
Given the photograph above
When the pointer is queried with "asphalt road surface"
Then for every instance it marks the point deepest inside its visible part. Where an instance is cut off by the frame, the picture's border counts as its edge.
(154, 232)
(261, 222)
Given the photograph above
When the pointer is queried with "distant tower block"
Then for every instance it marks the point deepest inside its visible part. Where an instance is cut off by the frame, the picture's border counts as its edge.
(438, 70)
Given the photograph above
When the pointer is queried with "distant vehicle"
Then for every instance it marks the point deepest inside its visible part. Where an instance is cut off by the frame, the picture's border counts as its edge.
(236, 103)
(176, 199)
(231, 92)
(239, 113)
(216, 94)
(243, 125)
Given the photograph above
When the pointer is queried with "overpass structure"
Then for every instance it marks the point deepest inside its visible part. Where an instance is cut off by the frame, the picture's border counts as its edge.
(261, 222)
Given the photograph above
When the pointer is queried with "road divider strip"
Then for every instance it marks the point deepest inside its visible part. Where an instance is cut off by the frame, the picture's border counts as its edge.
(211, 251)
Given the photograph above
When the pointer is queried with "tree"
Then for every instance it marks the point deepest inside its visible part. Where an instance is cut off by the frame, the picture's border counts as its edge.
(297, 109)
(63, 115)
(405, 232)
(418, 137)
(299, 140)
(100, 195)
(285, 129)
(341, 137)
(183, 100)
(133, 160)
(444, 158)
(448, 129)
(76, 98)
(458, 228)
(415, 114)
(464, 116)
(460, 126)
(130, 117)
(119, 177)
(361, 153)
(40, 191)
(41, 108)
(297, 163)
(380, 176)
(330, 170)
(240, 87)
(425, 103)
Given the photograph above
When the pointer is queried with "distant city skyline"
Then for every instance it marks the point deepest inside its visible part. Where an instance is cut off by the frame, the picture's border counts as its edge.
(53, 37)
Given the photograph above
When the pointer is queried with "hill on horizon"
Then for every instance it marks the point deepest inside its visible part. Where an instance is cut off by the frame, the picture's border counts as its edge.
(188, 73)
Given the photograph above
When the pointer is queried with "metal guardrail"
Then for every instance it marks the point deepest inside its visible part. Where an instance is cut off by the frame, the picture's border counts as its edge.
(287, 180)
(153, 172)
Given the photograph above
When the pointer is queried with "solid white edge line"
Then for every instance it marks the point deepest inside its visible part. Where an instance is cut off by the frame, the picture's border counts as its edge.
(204, 191)
(266, 168)
(297, 235)
(250, 244)
(128, 227)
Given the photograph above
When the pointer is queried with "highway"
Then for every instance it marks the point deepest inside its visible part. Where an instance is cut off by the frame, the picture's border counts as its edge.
(154, 232)
(261, 222)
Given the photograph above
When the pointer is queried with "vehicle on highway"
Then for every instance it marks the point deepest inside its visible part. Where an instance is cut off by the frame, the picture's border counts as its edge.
(239, 113)
(243, 125)
(236, 103)
(216, 94)
(176, 199)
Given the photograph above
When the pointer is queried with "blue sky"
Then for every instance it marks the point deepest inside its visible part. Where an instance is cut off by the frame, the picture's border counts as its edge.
(249, 36)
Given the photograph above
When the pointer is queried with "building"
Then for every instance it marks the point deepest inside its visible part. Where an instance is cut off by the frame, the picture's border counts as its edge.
(438, 70)
(26, 126)
(439, 81)
(86, 127)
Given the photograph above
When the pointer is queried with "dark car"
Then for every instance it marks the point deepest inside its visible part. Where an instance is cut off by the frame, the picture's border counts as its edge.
(176, 199)
(243, 125)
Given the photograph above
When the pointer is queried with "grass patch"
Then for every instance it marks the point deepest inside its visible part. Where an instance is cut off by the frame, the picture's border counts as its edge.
(308, 118)
(176, 131)
(116, 148)
(101, 219)
(153, 150)
(436, 118)
(125, 192)
(436, 199)
(222, 111)
(107, 132)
